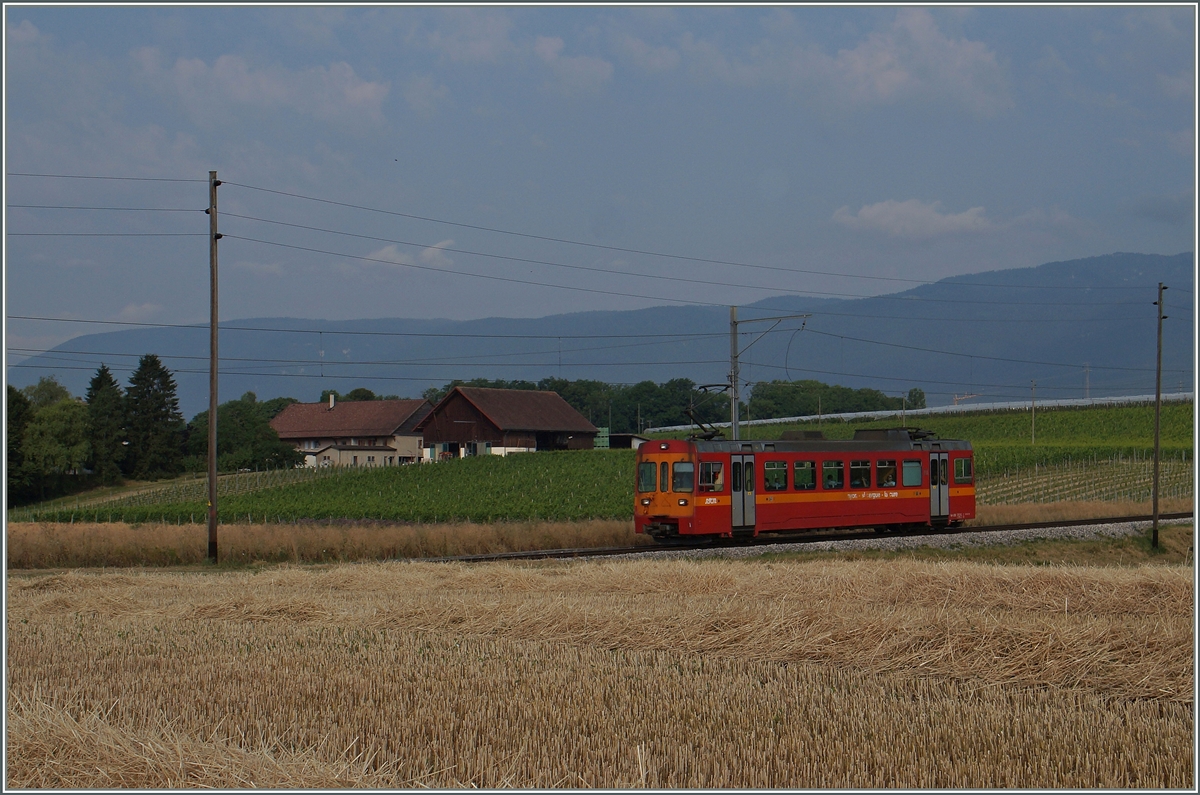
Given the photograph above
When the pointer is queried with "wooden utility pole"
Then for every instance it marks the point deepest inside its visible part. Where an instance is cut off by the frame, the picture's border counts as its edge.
(734, 376)
(1157, 413)
(213, 237)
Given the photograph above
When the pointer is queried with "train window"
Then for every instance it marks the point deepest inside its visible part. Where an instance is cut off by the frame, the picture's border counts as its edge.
(664, 481)
(860, 474)
(805, 475)
(774, 475)
(962, 470)
(833, 474)
(683, 475)
(646, 473)
(736, 476)
(749, 476)
(885, 474)
(942, 472)
(912, 473)
(712, 476)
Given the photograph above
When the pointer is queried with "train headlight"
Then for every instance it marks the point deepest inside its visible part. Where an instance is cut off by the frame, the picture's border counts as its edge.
(683, 502)
(645, 500)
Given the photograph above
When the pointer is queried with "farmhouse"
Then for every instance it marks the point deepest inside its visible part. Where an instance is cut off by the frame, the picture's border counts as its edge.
(354, 433)
(477, 421)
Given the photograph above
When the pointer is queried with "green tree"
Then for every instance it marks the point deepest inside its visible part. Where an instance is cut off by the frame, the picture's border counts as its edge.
(106, 423)
(46, 392)
(155, 425)
(245, 438)
(916, 398)
(359, 393)
(55, 442)
(20, 478)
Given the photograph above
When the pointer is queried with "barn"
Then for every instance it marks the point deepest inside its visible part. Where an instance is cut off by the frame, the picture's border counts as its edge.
(472, 421)
(354, 433)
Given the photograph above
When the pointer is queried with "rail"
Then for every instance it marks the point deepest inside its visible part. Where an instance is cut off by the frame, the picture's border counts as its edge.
(788, 538)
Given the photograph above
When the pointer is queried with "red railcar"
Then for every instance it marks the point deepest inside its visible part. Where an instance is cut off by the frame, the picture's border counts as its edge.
(885, 479)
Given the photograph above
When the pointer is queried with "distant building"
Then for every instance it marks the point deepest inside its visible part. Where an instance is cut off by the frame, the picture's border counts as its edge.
(626, 440)
(477, 421)
(354, 433)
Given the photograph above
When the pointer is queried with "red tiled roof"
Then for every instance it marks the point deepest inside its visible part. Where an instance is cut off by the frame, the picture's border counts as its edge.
(349, 418)
(521, 410)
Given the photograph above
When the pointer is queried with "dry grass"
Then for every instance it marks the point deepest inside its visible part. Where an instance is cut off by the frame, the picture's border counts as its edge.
(612, 674)
(43, 545)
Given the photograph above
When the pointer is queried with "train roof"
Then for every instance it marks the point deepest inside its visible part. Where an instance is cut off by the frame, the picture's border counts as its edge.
(813, 441)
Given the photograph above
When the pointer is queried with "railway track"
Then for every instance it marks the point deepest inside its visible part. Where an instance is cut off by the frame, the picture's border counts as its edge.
(790, 538)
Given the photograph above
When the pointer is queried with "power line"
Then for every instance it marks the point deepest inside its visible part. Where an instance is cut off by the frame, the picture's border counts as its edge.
(530, 282)
(366, 333)
(644, 252)
(92, 176)
(107, 234)
(613, 271)
(120, 209)
(976, 356)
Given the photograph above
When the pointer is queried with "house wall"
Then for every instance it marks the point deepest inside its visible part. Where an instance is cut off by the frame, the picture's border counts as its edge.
(459, 421)
(399, 448)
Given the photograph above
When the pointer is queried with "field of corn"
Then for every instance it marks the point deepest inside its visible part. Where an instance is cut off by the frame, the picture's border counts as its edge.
(603, 674)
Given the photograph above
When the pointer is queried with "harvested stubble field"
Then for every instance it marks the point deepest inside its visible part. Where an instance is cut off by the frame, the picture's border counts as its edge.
(611, 674)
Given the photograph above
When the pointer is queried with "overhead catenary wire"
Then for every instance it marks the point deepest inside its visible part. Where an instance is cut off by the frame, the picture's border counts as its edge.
(625, 250)
(496, 230)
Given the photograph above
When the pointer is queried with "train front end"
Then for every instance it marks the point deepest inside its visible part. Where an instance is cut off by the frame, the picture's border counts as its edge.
(665, 491)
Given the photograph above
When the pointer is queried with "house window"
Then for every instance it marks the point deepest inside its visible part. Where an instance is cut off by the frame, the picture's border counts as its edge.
(370, 459)
(355, 461)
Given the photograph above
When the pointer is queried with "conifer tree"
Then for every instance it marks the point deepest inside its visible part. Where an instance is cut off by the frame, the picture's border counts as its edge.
(154, 424)
(106, 426)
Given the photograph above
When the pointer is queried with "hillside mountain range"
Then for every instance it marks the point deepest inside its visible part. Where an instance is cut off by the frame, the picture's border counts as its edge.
(1079, 327)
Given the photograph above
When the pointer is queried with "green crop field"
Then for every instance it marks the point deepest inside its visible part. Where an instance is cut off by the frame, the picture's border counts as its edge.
(564, 486)
(1094, 453)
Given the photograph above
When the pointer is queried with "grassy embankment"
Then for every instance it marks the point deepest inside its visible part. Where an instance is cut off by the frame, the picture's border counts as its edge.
(716, 674)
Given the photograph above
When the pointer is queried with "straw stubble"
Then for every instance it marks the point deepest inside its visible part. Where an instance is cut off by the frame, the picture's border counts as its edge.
(618, 674)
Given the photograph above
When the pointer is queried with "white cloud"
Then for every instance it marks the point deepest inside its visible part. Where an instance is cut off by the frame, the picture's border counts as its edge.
(1183, 142)
(388, 253)
(136, 313)
(24, 33)
(332, 92)
(646, 56)
(470, 36)
(425, 95)
(573, 74)
(1177, 86)
(435, 257)
(260, 268)
(911, 60)
(913, 219)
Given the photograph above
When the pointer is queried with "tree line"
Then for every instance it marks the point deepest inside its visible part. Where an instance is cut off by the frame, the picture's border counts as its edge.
(59, 444)
(633, 408)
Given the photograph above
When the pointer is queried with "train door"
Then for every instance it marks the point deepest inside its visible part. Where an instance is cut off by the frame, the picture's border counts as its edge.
(741, 478)
(939, 486)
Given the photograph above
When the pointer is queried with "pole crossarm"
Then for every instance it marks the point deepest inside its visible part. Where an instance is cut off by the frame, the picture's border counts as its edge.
(734, 373)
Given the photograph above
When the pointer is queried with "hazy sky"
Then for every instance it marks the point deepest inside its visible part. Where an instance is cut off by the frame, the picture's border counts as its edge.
(883, 142)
